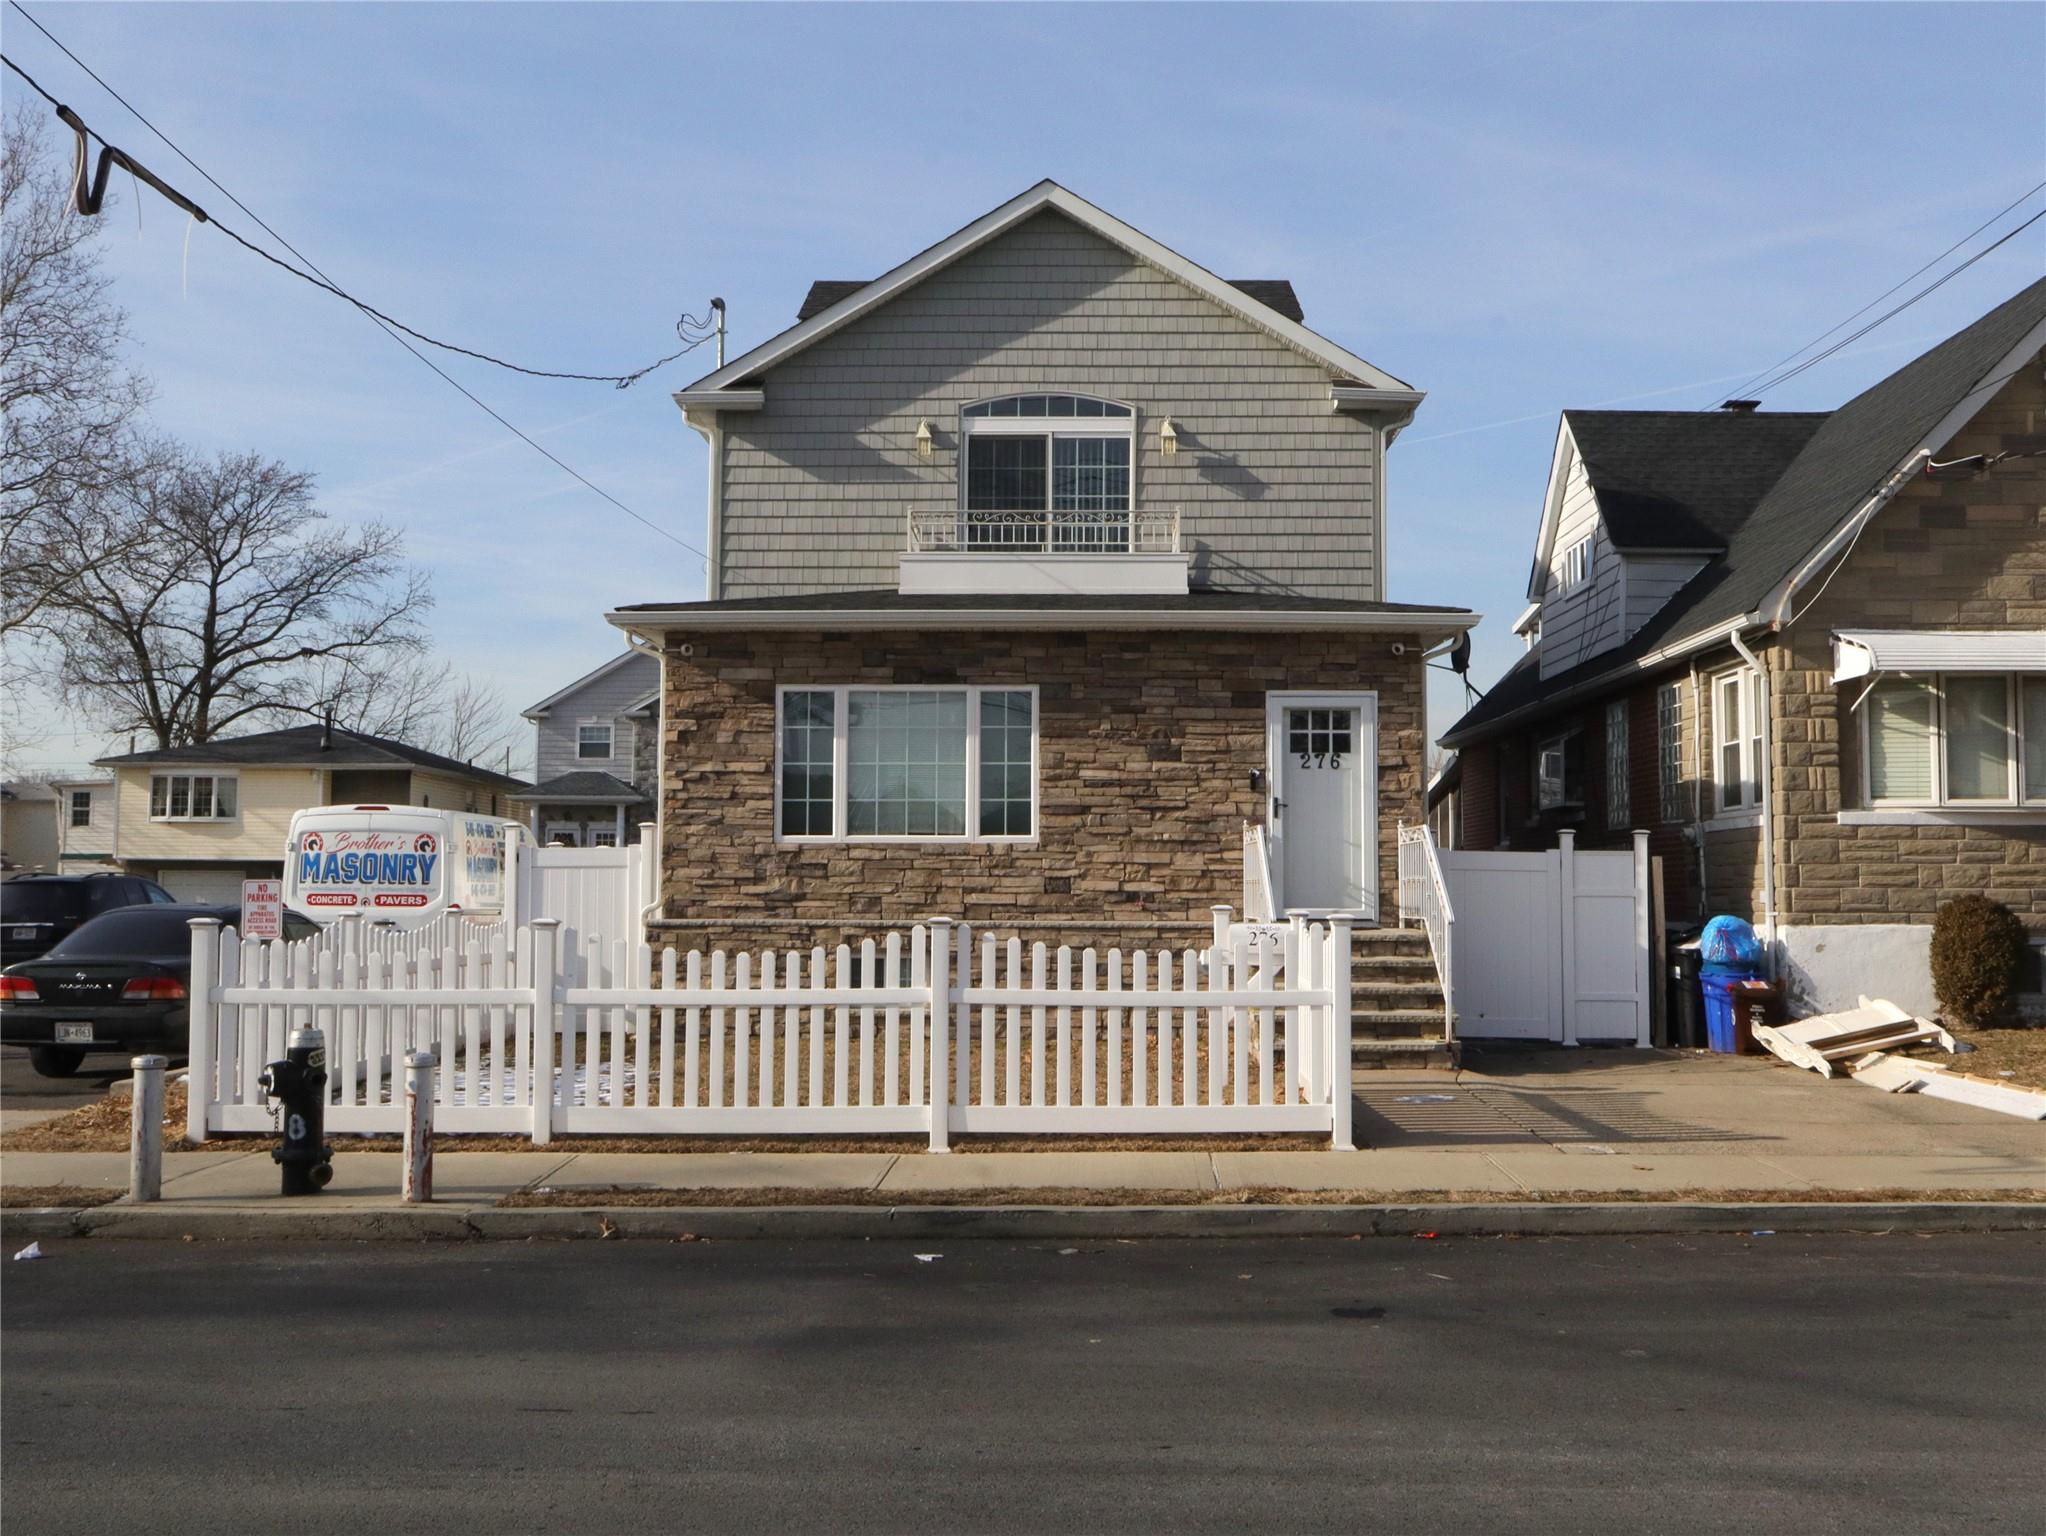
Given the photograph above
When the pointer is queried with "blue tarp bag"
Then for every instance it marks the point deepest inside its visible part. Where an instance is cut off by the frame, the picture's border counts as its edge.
(1728, 947)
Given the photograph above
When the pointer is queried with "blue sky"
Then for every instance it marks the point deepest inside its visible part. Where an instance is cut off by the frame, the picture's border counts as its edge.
(1518, 208)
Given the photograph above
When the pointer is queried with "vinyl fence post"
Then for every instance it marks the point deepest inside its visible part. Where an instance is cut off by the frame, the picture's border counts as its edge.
(544, 938)
(419, 1065)
(145, 1131)
(200, 1015)
(1337, 977)
(939, 1025)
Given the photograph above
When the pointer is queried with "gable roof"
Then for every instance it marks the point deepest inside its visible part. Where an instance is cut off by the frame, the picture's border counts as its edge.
(585, 785)
(1277, 292)
(1848, 467)
(306, 746)
(534, 711)
(1375, 384)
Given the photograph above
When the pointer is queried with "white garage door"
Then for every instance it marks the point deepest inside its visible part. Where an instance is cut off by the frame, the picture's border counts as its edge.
(219, 885)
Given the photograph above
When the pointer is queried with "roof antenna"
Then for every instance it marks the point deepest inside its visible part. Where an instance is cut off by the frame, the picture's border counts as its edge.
(327, 732)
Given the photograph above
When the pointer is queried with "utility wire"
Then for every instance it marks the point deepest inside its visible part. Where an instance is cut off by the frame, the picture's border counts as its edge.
(1937, 283)
(1735, 393)
(373, 316)
(321, 281)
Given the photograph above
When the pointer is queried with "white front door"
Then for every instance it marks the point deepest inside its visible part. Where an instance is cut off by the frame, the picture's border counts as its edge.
(1323, 814)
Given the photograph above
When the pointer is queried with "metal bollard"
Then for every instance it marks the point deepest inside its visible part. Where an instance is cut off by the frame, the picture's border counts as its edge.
(419, 1067)
(145, 1131)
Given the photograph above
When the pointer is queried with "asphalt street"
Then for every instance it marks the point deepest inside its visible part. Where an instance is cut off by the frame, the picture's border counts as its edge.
(1744, 1384)
(21, 1088)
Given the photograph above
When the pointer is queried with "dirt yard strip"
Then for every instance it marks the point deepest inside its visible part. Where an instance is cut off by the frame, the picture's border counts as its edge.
(54, 1197)
(599, 1199)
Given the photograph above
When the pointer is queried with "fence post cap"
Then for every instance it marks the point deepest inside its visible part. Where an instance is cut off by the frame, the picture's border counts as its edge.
(1221, 906)
(421, 1059)
(546, 922)
(202, 922)
(940, 921)
(149, 1063)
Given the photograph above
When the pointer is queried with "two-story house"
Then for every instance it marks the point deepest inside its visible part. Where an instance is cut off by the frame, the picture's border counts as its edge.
(1039, 566)
(199, 820)
(595, 748)
(1807, 650)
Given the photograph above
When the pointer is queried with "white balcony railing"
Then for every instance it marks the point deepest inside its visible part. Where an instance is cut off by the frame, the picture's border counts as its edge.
(1136, 531)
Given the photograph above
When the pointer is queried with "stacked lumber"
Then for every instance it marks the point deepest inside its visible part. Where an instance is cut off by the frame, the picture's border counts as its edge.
(1934, 1079)
(1875, 1025)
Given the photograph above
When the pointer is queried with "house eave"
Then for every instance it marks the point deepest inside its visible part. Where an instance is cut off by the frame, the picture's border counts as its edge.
(1430, 626)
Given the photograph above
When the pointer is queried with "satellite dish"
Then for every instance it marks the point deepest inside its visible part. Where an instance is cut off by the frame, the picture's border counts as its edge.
(1460, 653)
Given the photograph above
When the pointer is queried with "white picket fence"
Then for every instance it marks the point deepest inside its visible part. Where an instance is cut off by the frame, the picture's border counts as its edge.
(1249, 1034)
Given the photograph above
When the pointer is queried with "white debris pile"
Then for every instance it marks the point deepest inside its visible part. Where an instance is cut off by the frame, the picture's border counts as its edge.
(1859, 1040)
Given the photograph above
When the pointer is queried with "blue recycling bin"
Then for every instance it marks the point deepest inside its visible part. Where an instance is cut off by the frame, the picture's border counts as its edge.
(1732, 955)
(1721, 1029)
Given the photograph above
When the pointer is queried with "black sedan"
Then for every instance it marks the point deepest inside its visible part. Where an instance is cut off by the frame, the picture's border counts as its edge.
(115, 984)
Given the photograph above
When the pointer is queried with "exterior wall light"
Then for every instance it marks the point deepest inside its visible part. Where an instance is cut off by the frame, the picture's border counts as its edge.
(1168, 440)
(925, 447)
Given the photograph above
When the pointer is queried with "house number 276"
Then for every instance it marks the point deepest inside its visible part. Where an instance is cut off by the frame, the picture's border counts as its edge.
(1321, 759)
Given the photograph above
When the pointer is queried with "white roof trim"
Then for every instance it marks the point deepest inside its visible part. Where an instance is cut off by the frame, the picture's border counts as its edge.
(1565, 454)
(1046, 194)
(1865, 652)
(534, 711)
(1442, 625)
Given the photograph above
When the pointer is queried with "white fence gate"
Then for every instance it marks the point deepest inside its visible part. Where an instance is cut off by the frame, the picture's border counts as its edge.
(932, 1031)
(595, 893)
(1552, 946)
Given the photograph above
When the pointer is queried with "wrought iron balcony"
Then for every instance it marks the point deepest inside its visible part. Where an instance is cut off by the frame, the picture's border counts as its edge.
(1129, 531)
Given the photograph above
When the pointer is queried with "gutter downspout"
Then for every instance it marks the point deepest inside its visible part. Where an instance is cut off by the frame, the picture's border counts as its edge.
(705, 424)
(1764, 698)
(1698, 788)
(638, 642)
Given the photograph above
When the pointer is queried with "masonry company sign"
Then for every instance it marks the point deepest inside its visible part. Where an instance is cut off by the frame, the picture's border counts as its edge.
(382, 871)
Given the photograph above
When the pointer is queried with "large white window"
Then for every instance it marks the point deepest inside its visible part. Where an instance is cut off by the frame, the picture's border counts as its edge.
(1959, 739)
(1618, 811)
(1669, 750)
(922, 764)
(593, 741)
(1050, 472)
(192, 797)
(1736, 740)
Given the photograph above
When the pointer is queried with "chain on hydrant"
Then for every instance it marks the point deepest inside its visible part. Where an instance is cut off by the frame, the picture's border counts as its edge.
(299, 1085)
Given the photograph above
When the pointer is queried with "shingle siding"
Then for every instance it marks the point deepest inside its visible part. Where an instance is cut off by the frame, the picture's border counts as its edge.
(1274, 487)
(603, 698)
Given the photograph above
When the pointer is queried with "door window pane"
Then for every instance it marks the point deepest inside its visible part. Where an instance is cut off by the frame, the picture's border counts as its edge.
(1978, 738)
(2034, 692)
(906, 763)
(806, 763)
(1900, 741)
(1005, 763)
(1005, 474)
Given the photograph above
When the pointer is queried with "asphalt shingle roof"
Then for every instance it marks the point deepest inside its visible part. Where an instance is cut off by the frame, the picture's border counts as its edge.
(1684, 479)
(306, 746)
(1843, 461)
(1274, 292)
(582, 784)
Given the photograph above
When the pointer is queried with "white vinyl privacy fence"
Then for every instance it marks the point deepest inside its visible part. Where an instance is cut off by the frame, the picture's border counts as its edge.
(938, 1031)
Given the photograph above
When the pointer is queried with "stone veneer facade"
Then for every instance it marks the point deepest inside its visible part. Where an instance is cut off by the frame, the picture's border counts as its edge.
(1147, 743)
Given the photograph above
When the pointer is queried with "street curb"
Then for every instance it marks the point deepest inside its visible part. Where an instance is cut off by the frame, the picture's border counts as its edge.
(481, 1222)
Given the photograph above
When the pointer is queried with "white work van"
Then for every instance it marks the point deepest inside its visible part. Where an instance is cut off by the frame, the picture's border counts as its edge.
(399, 864)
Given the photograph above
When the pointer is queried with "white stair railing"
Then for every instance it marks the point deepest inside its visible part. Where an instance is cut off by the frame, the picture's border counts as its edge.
(1424, 898)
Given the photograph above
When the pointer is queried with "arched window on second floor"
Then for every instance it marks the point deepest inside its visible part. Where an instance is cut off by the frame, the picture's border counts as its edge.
(1047, 471)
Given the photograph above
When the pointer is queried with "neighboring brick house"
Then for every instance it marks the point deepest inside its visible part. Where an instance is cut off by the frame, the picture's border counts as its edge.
(1039, 566)
(1885, 565)
(596, 755)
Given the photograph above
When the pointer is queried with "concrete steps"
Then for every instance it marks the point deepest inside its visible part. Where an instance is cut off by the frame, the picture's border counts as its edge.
(1396, 1005)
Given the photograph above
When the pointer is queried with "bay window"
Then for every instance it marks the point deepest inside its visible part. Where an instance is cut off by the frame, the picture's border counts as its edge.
(933, 764)
(1955, 739)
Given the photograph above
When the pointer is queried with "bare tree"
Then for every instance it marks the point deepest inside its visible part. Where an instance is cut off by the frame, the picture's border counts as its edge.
(238, 602)
(65, 395)
(421, 702)
(480, 726)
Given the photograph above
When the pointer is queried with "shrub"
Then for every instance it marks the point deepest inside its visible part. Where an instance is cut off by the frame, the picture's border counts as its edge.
(1977, 947)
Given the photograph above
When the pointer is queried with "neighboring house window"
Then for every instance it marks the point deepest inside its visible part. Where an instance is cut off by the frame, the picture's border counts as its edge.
(1047, 472)
(607, 838)
(81, 807)
(1618, 813)
(1736, 740)
(1576, 564)
(1669, 761)
(1555, 784)
(593, 741)
(927, 763)
(1974, 738)
(192, 797)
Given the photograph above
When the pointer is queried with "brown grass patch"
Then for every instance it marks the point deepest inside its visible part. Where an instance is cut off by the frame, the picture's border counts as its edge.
(2019, 1050)
(620, 1197)
(37, 1197)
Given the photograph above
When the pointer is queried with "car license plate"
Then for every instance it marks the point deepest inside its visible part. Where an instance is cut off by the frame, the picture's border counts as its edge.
(21, 935)
(74, 1034)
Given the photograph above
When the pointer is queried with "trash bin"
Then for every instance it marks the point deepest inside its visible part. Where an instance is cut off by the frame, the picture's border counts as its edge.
(1687, 1007)
(1755, 1003)
(1732, 958)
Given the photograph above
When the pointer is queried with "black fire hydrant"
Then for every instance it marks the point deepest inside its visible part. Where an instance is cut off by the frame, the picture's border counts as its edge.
(299, 1085)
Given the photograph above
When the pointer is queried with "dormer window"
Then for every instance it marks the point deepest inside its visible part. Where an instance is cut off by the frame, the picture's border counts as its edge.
(1047, 472)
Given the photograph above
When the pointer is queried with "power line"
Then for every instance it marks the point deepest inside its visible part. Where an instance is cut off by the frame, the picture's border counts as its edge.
(1937, 283)
(371, 314)
(1871, 304)
(618, 380)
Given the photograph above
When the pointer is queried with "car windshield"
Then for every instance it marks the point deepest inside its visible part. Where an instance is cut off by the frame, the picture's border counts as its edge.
(155, 932)
(41, 901)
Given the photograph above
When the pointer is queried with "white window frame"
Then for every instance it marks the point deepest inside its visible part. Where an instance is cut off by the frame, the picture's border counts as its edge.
(213, 817)
(841, 726)
(571, 830)
(610, 730)
(1048, 428)
(603, 837)
(1576, 568)
(1619, 764)
(81, 800)
(1669, 751)
(1747, 796)
(2014, 797)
